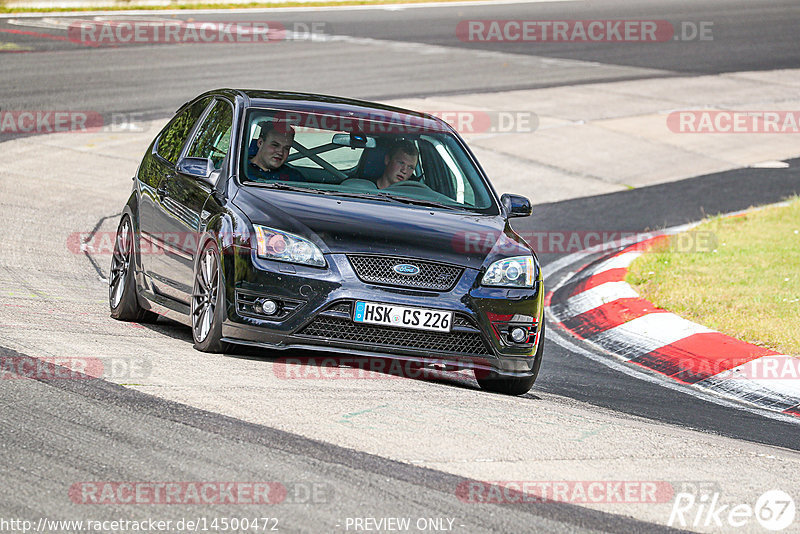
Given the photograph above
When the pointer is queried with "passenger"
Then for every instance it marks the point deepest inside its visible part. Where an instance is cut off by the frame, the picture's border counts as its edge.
(401, 160)
(274, 142)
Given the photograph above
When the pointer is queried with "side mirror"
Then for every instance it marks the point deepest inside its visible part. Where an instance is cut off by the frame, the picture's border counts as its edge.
(516, 205)
(197, 168)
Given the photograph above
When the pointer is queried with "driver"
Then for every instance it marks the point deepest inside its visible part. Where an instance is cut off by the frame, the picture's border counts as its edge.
(274, 142)
(401, 160)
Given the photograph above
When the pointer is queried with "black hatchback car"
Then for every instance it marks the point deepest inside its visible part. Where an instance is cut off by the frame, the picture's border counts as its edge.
(299, 221)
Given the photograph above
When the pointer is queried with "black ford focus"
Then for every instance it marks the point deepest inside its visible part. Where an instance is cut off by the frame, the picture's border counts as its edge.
(299, 221)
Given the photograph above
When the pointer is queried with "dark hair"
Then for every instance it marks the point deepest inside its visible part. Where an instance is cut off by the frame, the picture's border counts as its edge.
(405, 146)
(277, 126)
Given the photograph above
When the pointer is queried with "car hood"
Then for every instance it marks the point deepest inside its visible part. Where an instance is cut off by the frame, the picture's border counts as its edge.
(346, 225)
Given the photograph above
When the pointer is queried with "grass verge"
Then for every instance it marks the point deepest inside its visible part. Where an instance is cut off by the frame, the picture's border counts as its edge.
(746, 285)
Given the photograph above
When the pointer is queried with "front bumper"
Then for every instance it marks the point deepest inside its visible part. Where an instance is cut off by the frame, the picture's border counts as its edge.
(316, 313)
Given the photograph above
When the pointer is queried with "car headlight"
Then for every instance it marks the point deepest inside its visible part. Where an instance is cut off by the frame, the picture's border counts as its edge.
(519, 271)
(283, 246)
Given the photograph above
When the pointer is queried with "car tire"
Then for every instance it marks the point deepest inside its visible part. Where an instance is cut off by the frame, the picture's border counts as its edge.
(208, 301)
(122, 297)
(511, 385)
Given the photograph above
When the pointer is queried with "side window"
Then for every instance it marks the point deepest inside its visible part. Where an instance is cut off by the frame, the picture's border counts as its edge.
(213, 138)
(437, 176)
(174, 135)
(443, 174)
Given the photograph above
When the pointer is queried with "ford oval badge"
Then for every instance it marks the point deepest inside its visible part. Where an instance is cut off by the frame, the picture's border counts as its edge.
(406, 269)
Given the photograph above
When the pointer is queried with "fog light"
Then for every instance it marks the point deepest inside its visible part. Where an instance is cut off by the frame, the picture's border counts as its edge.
(266, 306)
(518, 335)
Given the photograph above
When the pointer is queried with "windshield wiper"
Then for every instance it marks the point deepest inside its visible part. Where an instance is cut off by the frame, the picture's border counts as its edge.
(380, 196)
(369, 196)
(286, 187)
(420, 202)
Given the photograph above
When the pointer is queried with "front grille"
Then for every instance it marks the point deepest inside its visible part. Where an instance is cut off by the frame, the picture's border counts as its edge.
(460, 320)
(341, 307)
(455, 342)
(380, 270)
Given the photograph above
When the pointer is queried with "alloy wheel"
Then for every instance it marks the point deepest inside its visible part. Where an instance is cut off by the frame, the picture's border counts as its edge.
(120, 264)
(204, 299)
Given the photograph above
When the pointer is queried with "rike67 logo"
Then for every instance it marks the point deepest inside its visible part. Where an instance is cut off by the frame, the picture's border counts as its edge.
(774, 510)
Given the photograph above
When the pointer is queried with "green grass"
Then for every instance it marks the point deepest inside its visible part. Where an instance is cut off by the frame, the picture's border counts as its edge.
(745, 284)
(200, 5)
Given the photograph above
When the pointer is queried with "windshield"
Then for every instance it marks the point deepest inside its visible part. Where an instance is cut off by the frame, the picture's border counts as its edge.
(419, 163)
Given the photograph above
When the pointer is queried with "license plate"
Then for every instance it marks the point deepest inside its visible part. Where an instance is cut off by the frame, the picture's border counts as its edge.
(403, 316)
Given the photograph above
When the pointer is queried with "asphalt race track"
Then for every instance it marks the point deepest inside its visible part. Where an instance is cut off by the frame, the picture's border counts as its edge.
(123, 79)
(201, 418)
